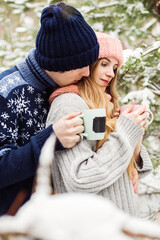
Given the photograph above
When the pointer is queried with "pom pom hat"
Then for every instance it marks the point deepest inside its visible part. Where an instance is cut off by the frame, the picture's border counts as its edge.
(65, 41)
(110, 47)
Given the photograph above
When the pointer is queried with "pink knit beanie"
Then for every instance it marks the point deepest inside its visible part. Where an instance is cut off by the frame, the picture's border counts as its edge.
(110, 47)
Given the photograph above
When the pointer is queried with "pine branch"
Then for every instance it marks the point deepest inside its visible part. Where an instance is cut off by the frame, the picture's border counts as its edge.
(101, 5)
(149, 24)
(155, 89)
(155, 46)
(123, 74)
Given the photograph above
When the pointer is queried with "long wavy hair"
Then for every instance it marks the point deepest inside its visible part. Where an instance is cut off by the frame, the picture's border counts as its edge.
(94, 96)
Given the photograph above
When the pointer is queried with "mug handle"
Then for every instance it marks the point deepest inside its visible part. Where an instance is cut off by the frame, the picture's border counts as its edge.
(83, 134)
(152, 117)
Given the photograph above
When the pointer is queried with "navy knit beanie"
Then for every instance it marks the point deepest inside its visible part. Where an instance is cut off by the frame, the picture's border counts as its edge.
(65, 41)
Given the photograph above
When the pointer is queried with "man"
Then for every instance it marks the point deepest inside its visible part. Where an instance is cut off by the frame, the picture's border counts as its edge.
(65, 47)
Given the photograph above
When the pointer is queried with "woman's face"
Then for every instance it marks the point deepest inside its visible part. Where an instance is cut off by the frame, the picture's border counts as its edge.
(105, 71)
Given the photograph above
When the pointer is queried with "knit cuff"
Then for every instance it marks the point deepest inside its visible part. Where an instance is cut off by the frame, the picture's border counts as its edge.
(129, 129)
(147, 166)
(59, 146)
(42, 136)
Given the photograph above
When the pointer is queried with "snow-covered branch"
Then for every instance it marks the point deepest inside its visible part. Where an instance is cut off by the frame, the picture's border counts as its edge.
(154, 47)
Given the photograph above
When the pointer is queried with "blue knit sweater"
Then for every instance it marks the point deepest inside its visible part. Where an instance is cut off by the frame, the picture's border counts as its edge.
(24, 93)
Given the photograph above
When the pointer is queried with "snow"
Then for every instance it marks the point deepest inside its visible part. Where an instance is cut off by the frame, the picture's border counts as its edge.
(158, 66)
(145, 96)
(98, 26)
(75, 216)
(71, 216)
(154, 144)
(149, 195)
(127, 53)
(21, 29)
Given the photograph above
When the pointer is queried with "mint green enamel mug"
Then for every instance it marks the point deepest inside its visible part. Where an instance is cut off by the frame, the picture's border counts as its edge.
(94, 121)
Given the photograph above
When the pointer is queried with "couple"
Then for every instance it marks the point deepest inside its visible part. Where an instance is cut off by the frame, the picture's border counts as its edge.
(65, 47)
(107, 167)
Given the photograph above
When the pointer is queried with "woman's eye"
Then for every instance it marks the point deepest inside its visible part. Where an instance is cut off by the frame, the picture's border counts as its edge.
(103, 64)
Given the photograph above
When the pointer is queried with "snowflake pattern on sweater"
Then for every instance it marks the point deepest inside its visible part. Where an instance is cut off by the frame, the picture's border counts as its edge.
(23, 112)
(10, 82)
(24, 93)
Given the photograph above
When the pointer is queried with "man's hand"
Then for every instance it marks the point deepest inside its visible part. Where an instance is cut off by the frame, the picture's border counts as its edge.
(67, 129)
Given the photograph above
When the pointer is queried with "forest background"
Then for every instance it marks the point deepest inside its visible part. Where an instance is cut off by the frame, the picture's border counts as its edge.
(135, 23)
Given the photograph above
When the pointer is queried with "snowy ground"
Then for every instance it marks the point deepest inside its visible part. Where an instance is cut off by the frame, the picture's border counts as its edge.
(149, 195)
(43, 216)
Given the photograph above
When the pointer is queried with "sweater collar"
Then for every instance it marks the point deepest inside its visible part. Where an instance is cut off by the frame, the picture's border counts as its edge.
(33, 74)
(68, 89)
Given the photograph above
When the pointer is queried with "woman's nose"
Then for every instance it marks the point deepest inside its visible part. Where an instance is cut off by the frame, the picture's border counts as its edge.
(110, 72)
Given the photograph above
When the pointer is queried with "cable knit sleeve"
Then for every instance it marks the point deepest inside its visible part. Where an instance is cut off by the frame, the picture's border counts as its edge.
(83, 169)
(147, 166)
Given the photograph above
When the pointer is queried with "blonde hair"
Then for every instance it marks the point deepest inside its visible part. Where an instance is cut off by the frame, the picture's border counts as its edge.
(94, 97)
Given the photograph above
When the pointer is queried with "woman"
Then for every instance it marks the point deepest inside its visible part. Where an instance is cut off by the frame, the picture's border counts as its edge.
(103, 167)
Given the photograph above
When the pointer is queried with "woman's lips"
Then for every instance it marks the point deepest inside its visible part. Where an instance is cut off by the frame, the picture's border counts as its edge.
(105, 81)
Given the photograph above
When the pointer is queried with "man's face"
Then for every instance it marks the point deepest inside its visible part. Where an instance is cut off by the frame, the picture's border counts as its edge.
(68, 77)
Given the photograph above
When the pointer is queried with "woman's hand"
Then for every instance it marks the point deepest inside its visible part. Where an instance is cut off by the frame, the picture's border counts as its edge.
(117, 113)
(139, 116)
(68, 128)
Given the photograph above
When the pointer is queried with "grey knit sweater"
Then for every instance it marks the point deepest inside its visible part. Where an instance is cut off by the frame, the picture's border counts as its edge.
(82, 169)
